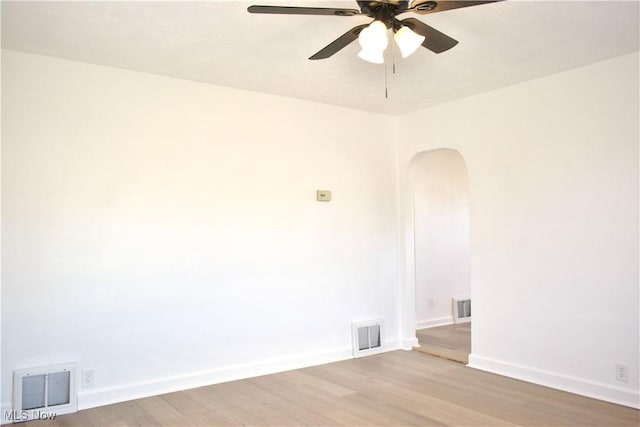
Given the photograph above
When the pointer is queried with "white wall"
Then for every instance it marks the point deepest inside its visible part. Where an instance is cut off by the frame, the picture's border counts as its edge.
(553, 170)
(442, 244)
(166, 234)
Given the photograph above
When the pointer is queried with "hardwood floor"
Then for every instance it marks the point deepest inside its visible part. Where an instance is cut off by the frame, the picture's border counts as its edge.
(452, 342)
(395, 388)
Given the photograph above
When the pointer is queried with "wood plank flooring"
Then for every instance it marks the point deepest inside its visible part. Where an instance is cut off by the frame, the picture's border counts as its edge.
(452, 342)
(391, 389)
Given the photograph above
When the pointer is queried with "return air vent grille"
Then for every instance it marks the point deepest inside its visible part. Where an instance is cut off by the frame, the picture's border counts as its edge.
(461, 310)
(367, 337)
(45, 391)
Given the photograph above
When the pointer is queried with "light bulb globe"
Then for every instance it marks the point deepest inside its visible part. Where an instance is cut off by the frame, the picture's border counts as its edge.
(372, 55)
(374, 37)
(408, 41)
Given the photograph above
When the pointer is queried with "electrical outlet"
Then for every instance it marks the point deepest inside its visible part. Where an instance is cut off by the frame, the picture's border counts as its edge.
(622, 372)
(432, 303)
(88, 377)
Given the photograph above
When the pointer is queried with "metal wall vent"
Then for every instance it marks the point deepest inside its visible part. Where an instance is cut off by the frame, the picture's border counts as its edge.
(44, 392)
(367, 337)
(461, 310)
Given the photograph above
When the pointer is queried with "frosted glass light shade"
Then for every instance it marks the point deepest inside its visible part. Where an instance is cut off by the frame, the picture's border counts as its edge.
(407, 41)
(372, 55)
(374, 36)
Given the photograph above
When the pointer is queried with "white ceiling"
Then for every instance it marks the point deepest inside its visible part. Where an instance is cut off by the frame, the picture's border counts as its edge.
(219, 42)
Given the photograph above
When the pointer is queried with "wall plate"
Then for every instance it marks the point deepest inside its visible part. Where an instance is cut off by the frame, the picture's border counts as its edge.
(323, 195)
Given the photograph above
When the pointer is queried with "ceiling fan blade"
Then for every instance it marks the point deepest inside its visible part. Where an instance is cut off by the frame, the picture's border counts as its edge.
(339, 43)
(425, 7)
(293, 10)
(435, 41)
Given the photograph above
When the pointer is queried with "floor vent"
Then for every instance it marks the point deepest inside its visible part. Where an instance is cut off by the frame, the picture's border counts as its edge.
(367, 337)
(45, 392)
(461, 310)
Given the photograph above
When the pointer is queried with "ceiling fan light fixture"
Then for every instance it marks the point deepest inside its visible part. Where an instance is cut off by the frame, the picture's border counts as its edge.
(384, 13)
(408, 41)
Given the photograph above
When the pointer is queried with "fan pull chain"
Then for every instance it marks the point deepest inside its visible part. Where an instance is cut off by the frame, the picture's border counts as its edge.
(393, 55)
(393, 70)
(386, 86)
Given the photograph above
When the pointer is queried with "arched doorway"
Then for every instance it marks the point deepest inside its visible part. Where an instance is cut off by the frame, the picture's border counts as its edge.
(440, 196)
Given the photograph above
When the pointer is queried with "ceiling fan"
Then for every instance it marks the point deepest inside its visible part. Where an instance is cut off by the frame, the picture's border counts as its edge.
(409, 33)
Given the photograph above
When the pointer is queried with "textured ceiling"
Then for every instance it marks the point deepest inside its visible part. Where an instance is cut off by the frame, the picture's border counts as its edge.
(219, 42)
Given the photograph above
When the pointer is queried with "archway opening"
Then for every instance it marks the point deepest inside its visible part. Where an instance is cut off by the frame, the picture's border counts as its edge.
(440, 188)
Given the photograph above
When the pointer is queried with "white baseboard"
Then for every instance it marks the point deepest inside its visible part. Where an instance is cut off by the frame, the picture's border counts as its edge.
(409, 343)
(558, 381)
(432, 323)
(92, 398)
(105, 396)
(395, 345)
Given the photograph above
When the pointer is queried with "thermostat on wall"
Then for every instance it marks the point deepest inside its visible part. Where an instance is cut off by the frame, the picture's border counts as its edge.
(323, 195)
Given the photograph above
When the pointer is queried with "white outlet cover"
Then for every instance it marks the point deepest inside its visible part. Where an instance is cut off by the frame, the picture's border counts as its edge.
(88, 377)
(622, 372)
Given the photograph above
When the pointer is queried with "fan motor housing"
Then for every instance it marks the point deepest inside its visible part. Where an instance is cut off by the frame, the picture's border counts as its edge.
(373, 8)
